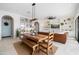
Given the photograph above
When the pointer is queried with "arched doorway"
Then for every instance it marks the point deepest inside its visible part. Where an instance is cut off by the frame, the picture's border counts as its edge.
(77, 29)
(36, 24)
(7, 26)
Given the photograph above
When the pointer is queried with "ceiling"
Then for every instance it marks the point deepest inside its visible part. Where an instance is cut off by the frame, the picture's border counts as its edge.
(24, 8)
(19, 8)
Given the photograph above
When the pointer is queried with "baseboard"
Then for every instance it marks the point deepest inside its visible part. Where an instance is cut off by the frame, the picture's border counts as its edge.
(6, 36)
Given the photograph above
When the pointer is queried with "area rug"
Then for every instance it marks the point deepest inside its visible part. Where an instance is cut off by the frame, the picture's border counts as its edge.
(23, 49)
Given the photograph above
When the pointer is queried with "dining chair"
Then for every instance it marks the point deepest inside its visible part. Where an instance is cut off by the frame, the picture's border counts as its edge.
(47, 45)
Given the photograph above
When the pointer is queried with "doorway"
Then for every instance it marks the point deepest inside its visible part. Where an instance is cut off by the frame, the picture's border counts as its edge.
(7, 26)
(77, 29)
(36, 24)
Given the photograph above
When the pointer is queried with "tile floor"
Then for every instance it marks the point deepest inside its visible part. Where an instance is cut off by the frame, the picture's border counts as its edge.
(6, 46)
(70, 48)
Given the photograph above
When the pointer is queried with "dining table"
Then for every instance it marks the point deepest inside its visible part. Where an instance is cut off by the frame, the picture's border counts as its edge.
(34, 41)
(36, 38)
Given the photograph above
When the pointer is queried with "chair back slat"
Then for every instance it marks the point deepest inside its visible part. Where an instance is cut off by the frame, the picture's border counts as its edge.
(47, 44)
(50, 38)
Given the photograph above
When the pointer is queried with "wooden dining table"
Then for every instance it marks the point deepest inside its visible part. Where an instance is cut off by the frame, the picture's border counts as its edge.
(34, 41)
(37, 38)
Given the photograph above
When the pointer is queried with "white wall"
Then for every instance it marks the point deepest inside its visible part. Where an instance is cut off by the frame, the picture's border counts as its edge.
(16, 19)
(61, 10)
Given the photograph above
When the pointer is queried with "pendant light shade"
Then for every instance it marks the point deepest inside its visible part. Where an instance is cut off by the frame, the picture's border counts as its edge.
(33, 12)
(33, 4)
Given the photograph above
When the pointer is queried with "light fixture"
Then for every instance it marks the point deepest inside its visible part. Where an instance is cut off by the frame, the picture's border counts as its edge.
(33, 4)
(33, 11)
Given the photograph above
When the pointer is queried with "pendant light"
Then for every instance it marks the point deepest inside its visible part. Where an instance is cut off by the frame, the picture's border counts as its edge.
(33, 11)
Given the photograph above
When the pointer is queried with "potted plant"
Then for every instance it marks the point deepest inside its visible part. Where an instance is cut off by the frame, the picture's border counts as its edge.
(17, 33)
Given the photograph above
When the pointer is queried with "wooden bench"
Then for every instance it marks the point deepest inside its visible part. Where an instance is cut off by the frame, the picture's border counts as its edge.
(30, 43)
(61, 38)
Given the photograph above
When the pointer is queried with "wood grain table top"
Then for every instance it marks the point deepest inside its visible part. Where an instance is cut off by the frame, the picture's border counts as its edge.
(37, 38)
